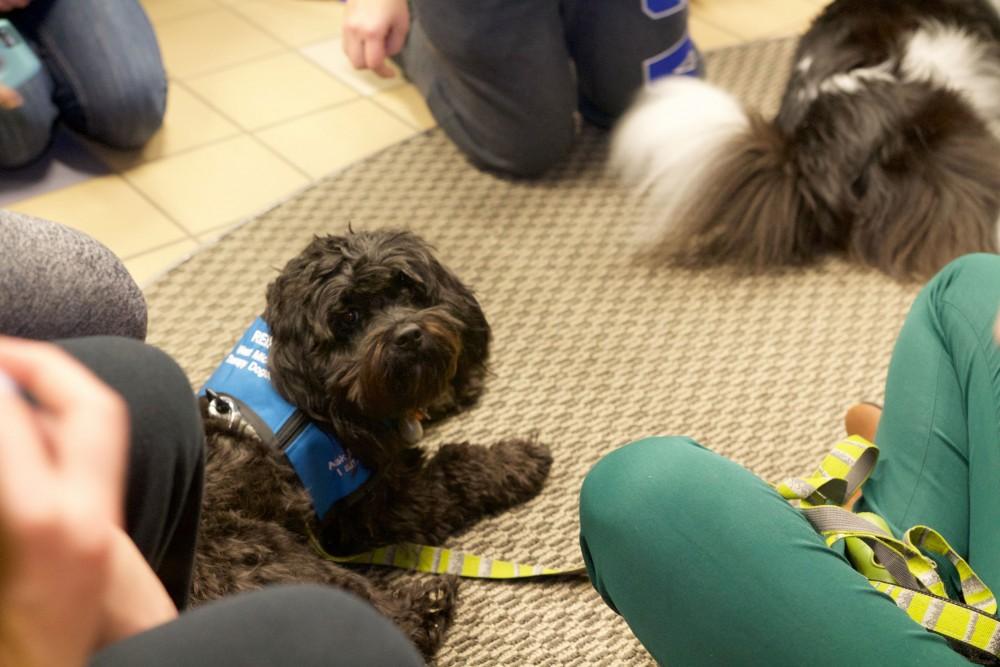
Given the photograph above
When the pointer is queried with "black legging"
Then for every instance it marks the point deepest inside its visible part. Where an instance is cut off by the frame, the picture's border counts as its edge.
(288, 625)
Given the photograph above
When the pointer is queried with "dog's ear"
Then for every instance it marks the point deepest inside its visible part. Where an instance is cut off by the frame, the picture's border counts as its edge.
(471, 369)
(296, 285)
(293, 302)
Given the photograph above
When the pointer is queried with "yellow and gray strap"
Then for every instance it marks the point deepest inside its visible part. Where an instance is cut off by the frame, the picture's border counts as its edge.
(439, 560)
(946, 617)
(899, 568)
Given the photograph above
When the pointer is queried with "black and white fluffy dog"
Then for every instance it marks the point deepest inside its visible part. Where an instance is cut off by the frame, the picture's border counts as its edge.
(885, 147)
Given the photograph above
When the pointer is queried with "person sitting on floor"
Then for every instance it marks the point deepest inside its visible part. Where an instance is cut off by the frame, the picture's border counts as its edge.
(503, 79)
(709, 565)
(101, 74)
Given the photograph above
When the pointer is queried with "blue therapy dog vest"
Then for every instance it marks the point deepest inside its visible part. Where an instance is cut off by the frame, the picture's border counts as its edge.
(325, 467)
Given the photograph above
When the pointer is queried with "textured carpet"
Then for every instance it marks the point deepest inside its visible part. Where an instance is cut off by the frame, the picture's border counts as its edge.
(594, 347)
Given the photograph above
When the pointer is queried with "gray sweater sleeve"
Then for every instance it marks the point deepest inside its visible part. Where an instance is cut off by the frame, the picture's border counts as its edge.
(56, 282)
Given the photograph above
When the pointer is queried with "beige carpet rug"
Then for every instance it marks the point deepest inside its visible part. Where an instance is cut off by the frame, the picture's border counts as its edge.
(593, 347)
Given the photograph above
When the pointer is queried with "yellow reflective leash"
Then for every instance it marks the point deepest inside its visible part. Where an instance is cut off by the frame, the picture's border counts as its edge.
(439, 560)
(897, 567)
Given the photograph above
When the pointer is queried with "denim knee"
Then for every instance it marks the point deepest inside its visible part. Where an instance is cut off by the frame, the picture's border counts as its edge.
(526, 152)
(534, 155)
(25, 132)
(128, 114)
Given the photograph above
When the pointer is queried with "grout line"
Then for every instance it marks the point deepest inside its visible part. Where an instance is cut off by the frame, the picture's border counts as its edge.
(300, 170)
(218, 70)
(84, 143)
(152, 202)
(400, 117)
(276, 36)
(250, 134)
(157, 248)
(300, 116)
(239, 17)
(216, 6)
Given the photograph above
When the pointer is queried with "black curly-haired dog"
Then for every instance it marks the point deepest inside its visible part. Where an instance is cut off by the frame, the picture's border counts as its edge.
(368, 332)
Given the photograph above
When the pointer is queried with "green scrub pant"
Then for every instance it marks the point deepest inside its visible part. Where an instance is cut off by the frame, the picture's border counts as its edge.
(710, 566)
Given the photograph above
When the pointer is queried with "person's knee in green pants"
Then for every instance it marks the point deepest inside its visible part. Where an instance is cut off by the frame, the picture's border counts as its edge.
(710, 566)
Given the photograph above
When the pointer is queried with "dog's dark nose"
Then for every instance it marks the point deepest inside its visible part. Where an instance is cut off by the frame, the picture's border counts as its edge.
(409, 337)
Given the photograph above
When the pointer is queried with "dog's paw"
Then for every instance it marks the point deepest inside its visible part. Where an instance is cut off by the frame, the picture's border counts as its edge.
(429, 605)
(523, 465)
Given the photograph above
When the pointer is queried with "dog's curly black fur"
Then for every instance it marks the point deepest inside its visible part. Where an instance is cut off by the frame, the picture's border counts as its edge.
(368, 329)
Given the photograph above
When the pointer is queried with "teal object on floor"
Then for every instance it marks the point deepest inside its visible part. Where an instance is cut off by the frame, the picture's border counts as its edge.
(18, 63)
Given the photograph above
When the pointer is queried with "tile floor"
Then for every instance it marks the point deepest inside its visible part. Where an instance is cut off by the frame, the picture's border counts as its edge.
(262, 102)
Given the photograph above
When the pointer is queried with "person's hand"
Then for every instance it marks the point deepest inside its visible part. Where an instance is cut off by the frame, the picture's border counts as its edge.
(374, 30)
(62, 465)
(9, 5)
(9, 98)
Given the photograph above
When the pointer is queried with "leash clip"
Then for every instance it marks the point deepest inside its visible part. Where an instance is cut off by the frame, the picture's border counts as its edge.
(223, 407)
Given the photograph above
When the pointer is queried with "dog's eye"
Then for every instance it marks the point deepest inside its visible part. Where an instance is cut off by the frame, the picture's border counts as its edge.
(406, 281)
(350, 317)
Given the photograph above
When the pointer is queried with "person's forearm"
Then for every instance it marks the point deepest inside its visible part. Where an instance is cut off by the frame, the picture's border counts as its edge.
(136, 600)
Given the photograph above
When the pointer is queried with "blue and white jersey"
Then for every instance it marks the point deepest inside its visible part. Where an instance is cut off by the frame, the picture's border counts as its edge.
(326, 468)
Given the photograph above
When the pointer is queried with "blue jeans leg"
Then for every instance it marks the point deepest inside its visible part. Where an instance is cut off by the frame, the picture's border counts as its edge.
(105, 62)
(25, 131)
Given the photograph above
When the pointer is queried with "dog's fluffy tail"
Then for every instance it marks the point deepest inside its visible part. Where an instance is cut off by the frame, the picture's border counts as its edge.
(718, 178)
(902, 175)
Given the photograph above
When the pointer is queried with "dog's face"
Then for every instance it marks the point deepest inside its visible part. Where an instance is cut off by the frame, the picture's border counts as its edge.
(370, 326)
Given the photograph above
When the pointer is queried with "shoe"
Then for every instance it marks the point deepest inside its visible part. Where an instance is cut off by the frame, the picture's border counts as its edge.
(862, 419)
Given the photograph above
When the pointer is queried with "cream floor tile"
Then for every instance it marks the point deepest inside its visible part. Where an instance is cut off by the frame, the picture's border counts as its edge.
(407, 103)
(211, 41)
(754, 20)
(797, 26)
(108, 209)
(211, 186)
(323, 142)
(148, 265)
(706, 36)
(295, 22)
(270, 90)
(165, 10)
(329, 55)
(189, 123)
(214, 235)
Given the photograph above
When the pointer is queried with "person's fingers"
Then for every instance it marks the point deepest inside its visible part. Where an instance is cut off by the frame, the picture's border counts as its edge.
(83, 421)
(25, 463)
(375, 55)
(58, 382)
(396, 38)
(354, 49)
(10, 98)
(385, 70)
(996, 330)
